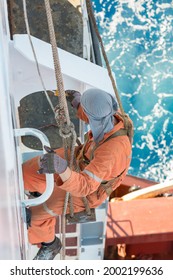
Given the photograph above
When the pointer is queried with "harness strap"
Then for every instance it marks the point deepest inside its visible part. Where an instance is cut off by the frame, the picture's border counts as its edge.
(121, 132)
(107, 185)
(129, 126)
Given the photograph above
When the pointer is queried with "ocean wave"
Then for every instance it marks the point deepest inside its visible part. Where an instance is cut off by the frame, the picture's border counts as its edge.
(138, 38)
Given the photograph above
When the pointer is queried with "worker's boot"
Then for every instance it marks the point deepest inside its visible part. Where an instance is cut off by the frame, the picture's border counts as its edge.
(49, 251)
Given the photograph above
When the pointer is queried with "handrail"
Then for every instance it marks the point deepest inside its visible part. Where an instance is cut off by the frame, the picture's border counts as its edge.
(49, 177)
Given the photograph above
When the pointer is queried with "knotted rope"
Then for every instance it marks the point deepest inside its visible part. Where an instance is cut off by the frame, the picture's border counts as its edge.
(67, 131)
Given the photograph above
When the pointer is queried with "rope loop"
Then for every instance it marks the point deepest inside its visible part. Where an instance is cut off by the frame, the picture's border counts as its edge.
(59, 115)
(66, 131)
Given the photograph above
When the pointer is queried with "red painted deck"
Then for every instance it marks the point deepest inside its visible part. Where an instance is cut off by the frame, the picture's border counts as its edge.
(144, 227)
(140, 221)
(130, 181)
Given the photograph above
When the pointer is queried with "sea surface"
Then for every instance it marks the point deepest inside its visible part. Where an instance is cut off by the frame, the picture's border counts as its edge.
(138, 39)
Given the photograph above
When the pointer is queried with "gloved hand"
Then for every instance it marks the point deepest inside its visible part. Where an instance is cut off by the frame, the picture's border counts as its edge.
(51, 162)
(73, 97)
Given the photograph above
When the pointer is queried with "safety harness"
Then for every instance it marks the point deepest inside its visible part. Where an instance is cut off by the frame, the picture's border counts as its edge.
(105, 186)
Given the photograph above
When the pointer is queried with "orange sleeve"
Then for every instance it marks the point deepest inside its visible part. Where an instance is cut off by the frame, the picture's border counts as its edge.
(81, 114)
(80, 184)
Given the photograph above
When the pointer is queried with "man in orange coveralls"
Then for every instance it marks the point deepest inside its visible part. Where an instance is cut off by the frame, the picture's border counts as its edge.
(106, 158)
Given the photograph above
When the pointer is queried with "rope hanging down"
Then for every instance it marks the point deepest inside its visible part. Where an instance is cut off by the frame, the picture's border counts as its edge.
(127, 123)
(58, 74)
(66, 127)
(34, 54)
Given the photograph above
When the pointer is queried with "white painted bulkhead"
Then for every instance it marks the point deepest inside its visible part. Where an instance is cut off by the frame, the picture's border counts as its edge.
(18, 78)
(12, 245)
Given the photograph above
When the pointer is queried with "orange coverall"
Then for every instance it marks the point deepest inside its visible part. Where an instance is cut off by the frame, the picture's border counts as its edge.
(110, 160)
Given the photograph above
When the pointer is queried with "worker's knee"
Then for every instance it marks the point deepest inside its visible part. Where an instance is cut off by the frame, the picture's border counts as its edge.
(41, 230)
(33, 181)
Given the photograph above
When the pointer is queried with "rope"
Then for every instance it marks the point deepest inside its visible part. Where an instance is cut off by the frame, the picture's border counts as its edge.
(35, 57)
(90, 12)
(58, 74)
(61, 113)
(10, 6)
(127, 124)
(66, 127)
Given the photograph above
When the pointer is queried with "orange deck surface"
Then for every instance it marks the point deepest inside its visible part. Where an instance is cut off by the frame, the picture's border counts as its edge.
(142, 220)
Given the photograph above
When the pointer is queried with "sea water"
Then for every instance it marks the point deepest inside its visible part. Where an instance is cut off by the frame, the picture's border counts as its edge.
(138, 39)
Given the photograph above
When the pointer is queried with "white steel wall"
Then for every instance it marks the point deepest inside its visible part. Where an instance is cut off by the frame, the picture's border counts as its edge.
(11, 225)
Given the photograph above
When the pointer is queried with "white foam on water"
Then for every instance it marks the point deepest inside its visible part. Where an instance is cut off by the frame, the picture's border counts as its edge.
(137, 38)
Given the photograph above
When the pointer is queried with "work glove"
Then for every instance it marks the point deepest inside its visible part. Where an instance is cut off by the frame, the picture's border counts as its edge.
(73, 97)
(51, 162)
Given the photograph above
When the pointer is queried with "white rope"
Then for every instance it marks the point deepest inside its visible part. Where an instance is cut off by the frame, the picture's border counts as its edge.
(62, 101)
(57, 66)
(35, 57)
(63, 104)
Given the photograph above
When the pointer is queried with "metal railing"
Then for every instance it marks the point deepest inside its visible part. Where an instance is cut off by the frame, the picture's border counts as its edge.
(49, 177)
